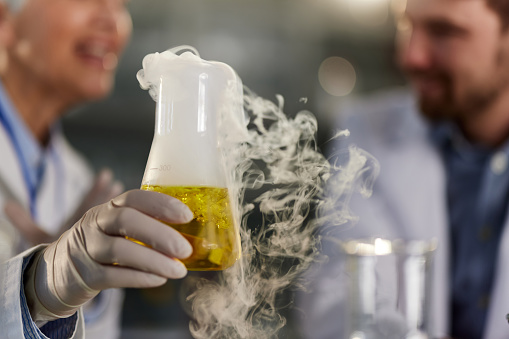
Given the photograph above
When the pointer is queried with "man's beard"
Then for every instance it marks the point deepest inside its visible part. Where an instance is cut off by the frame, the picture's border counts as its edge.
(473, 100)
(450, 106)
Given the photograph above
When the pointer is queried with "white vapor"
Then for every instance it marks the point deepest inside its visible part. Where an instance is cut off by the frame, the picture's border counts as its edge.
(302, 191)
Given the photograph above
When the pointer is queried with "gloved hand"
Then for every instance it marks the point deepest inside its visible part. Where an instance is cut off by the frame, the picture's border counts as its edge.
(94, 254)
(103, 189)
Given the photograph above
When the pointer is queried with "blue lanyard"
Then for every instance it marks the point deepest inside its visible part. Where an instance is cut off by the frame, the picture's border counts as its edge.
(31, 187)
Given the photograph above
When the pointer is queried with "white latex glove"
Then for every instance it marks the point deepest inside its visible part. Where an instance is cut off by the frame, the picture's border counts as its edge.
(103, 189)
(94, 254)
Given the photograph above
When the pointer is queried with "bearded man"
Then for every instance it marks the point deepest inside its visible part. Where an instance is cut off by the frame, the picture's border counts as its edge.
(443, 152)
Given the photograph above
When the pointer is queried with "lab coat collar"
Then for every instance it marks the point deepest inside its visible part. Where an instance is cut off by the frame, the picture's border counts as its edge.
(10, 171)
(496, 323)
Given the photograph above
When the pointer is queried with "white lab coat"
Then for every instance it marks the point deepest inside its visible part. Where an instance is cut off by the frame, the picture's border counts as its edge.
(11, 324)
(72, 179)
(408, 202)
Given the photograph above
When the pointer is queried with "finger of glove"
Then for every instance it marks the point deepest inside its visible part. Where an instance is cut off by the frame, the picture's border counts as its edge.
(120, 251)
(23, 221)
(157, 205)
(129, 222)
(121, 277)
(80, 275)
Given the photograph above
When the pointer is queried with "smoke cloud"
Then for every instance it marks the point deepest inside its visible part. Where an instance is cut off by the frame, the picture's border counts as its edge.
(299, 190)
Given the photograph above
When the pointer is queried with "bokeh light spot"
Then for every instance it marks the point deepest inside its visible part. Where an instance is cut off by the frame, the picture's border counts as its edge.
(337, 76)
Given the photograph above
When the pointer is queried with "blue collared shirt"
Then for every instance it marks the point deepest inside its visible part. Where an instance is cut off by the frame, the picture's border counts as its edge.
(477, 196)
(57, 329)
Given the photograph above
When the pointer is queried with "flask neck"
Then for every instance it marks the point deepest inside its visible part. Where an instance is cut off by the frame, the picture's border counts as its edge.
(188, 108)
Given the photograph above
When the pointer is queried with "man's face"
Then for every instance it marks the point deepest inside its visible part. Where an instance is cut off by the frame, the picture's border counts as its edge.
(72, 46)
(456, 56)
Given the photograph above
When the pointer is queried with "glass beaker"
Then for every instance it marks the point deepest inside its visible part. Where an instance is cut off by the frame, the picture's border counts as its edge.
(185, 159)
(389, 283)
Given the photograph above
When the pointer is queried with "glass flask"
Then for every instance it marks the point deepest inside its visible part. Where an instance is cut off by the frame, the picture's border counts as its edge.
(186, 160)
(388, 288)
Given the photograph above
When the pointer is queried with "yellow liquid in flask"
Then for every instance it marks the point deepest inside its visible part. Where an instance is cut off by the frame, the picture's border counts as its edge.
(212, 232)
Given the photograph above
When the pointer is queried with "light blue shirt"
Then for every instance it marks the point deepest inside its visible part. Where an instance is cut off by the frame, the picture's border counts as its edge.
(478, 195)
(30, 153)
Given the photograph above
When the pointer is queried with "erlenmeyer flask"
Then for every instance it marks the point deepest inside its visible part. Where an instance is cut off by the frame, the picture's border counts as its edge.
(185, 159)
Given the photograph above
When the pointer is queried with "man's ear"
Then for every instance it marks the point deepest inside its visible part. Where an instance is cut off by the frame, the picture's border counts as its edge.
(6, 26)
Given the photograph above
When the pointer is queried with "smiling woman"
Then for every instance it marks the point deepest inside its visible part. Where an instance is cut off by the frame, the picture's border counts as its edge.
(67, 49)
(54, 55)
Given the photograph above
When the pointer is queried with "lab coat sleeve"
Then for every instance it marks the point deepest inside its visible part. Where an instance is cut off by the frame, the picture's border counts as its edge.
(15, 322)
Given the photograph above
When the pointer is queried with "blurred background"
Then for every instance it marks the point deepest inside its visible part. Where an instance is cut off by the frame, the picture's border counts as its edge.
(326, 51)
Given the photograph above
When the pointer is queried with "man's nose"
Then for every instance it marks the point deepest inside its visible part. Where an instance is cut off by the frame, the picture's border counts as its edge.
(415, 52)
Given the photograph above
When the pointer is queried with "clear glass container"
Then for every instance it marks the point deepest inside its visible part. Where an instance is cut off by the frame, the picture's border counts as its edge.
(186, 161)
(388, 288)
